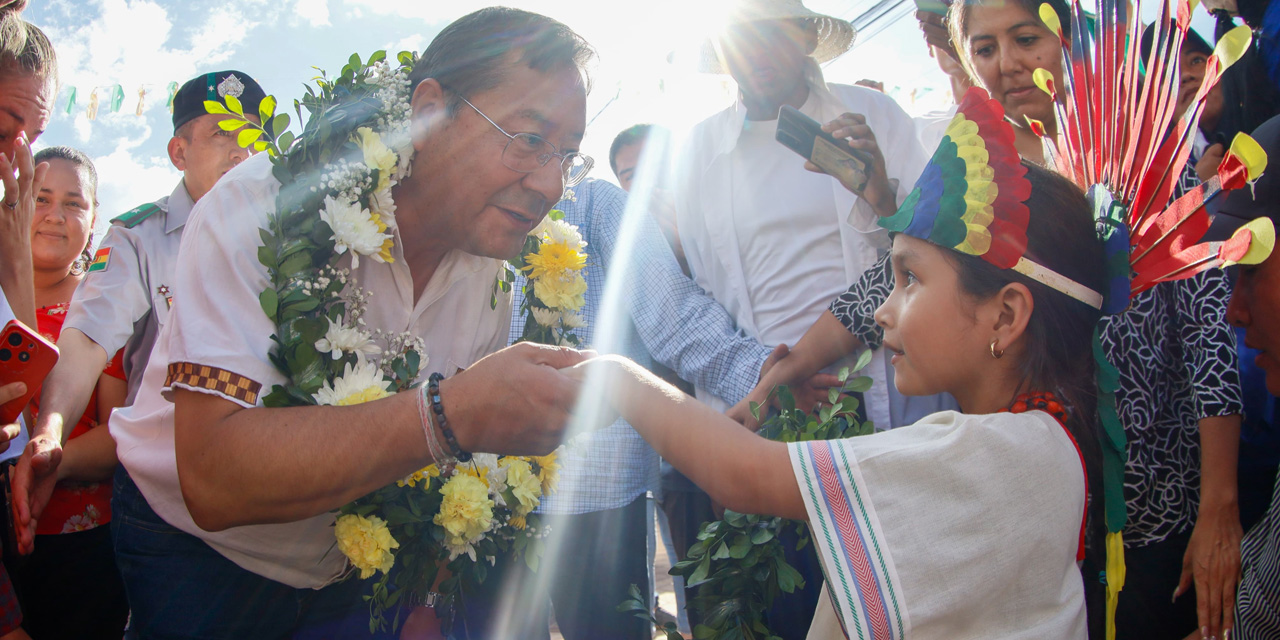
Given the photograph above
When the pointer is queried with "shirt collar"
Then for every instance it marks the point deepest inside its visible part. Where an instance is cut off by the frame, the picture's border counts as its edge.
(180, 204)
(729, 129)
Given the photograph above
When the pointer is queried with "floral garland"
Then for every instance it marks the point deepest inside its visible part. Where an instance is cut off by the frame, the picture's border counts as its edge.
(555, 289)
(337, 179)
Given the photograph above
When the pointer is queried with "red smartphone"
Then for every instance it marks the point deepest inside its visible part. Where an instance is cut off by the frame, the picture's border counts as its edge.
(27, 357)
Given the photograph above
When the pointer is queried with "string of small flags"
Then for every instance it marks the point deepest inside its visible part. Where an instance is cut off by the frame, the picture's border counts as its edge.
(111, 97)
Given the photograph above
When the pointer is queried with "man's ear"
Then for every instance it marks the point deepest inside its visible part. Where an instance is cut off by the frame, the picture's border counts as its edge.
(178, 152)
(428, 105)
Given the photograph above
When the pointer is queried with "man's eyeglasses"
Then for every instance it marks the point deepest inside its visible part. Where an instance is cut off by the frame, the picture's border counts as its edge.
(527, 153)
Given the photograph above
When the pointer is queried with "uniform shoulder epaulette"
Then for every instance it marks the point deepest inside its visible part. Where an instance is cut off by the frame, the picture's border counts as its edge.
(134, 217)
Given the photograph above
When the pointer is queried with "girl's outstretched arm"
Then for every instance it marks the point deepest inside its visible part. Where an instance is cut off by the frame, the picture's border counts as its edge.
(742, 471)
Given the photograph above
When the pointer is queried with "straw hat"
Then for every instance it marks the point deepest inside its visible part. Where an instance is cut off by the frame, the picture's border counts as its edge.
(835, 36)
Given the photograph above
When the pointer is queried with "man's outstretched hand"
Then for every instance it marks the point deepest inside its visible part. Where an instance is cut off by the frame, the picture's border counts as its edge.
(514, 401)
(33, 481)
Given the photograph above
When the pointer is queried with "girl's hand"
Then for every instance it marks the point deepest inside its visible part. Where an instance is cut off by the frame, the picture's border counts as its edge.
(1212, 560)
(878, 192)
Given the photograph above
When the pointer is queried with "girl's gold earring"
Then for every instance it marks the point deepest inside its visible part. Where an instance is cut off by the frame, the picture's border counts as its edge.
(997, 354)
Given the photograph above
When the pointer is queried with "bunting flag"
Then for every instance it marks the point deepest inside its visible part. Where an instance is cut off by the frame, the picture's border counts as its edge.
(71, 100)
(117, 98)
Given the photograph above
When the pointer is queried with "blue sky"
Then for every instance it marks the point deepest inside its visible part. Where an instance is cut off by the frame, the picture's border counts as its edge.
(149, 43)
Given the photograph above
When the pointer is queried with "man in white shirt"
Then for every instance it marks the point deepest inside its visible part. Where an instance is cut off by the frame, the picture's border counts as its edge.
(774, 243)
(223, 507)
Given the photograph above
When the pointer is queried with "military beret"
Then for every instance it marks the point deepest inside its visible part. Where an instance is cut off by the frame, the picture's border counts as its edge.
(188, 103)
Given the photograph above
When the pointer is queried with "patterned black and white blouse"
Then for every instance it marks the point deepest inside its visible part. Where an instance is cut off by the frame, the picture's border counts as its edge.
(1177, 361)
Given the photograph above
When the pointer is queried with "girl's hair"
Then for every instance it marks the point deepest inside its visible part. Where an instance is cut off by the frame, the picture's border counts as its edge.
(81, 161)
(1059, 336)
(958, 22)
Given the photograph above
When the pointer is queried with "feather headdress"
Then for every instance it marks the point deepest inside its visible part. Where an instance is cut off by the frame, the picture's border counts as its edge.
(972, 196)
(1119, 136)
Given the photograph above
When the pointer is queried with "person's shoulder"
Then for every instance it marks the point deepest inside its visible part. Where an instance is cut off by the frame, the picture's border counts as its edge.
(595, 193)
(244, 197)
(861, 99)
(141, 213)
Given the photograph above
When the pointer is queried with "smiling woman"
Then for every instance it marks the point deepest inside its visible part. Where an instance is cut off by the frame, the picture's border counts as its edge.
(73, 559)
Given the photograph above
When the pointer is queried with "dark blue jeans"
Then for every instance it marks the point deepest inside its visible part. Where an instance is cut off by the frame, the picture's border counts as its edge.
(179, 587)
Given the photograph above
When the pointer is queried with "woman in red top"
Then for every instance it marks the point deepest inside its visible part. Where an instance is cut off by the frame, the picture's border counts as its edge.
(69, 586)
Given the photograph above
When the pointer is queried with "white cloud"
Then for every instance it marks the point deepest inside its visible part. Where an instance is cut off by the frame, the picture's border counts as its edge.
(312, 12)
(414, 42)
(127, 178)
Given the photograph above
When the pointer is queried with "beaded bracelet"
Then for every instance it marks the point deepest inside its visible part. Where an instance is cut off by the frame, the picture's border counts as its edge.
(438, 455)
(433, 388)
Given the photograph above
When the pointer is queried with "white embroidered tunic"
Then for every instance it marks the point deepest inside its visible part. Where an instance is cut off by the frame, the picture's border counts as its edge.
(959, 526)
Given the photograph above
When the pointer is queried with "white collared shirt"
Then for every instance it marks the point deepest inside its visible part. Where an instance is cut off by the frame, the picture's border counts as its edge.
(706, 212)
(218, 339)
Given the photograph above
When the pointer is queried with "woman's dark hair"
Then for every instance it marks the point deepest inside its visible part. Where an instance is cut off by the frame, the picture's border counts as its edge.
(1059, 337)
(473, 54)
(958, 21)
(76, 157)
(25, 49)
(81, 161)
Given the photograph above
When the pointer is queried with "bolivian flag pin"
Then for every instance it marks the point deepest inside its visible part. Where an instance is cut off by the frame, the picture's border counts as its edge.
(100, 260)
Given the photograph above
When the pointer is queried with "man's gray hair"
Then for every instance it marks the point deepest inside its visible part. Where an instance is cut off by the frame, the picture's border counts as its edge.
(470, 55)
(25, 50)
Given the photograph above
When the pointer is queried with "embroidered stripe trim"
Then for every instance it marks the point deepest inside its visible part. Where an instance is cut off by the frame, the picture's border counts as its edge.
(202, 376)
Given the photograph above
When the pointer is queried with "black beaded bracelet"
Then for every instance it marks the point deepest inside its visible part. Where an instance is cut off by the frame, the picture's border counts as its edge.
(433, 391)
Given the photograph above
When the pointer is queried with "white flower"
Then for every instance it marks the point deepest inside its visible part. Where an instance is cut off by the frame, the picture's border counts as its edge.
(380, 202)
(545, 317)
(573, 320)
(358, 384)
(561, 232)
(354, 228)
(341, 338)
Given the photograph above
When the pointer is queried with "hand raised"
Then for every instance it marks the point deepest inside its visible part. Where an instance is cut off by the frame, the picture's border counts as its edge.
(878, 191)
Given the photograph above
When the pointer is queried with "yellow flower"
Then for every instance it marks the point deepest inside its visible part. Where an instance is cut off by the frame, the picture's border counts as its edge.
(366, 542)
(555, 260)
(376, 154)
(385, 251)
(548, 471)
(562, 293)
(525, 486)
(517, 522)
(466, 513)
(413, 479)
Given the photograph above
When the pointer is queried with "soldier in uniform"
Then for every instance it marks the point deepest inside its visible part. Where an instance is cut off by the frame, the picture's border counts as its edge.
(126, 294)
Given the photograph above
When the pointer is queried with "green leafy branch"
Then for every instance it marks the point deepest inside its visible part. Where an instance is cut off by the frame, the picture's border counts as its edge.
(738, 565)
(252, 134)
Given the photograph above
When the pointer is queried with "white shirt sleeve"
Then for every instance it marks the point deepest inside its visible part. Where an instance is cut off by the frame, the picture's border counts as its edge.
(221, 338)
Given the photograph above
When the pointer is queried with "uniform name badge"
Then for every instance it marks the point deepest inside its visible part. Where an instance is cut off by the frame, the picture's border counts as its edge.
(100, 260)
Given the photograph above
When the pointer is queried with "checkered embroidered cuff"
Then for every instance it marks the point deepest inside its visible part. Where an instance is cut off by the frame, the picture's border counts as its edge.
(199, 376)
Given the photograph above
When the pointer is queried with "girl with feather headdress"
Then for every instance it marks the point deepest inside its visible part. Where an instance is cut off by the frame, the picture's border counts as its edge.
(1174, 391)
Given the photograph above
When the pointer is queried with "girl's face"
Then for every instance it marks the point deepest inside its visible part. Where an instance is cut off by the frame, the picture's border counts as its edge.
(932, 330)
(1005, 45)
(63, 218)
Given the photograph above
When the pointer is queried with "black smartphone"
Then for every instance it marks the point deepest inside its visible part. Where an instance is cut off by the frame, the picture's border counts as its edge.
(805, 136)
